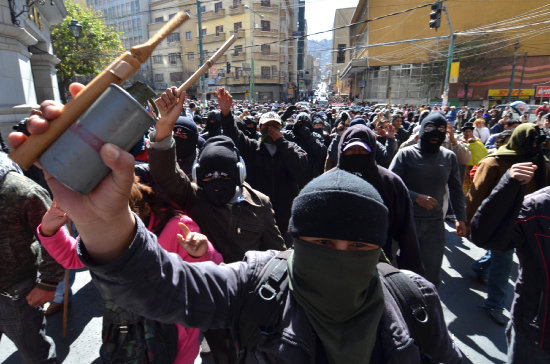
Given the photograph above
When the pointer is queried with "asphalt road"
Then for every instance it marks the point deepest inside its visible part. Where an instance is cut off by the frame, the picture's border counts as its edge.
(481, 340)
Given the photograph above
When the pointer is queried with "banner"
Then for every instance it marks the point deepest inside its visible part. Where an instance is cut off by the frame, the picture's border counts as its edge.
(543, 91)
(453, 75)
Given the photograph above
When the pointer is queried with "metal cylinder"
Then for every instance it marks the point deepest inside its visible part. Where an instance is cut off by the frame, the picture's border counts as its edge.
(116, 118)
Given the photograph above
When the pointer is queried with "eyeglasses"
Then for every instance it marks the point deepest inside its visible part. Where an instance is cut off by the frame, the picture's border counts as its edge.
(431, 127)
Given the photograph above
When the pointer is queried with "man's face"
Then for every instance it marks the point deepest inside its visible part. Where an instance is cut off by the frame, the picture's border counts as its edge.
(355, 150)
(251, 126)
(397, 123)
(337, 244)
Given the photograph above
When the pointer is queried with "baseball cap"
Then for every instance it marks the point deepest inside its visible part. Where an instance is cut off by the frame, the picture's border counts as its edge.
(270, 116)
(358, 143)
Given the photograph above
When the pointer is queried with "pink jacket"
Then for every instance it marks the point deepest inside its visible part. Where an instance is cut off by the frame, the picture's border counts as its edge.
(62, 247)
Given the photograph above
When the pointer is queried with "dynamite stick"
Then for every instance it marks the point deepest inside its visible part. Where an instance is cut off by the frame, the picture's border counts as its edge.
(207, 65)
(117, 72)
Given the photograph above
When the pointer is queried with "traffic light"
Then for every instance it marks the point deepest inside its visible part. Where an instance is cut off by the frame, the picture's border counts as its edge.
(228, 67)
(435, 15)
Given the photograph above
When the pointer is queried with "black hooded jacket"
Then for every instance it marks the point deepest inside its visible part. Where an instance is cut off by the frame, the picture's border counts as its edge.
(395, 196)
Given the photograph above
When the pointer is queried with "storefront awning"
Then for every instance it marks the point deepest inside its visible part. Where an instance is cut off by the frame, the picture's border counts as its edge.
(356, 65)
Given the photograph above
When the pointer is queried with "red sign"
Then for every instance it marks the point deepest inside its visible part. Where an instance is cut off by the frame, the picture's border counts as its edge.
(460, 93)
(542, 91)
(213, 72)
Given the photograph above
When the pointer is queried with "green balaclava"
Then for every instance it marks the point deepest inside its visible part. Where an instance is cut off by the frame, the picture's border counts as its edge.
(339, 290)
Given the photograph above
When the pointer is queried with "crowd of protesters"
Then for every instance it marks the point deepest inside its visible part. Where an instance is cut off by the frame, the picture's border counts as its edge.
(340, 188)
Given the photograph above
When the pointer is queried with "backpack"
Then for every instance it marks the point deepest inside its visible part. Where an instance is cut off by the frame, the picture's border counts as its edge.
(264, 304)
(132, 339)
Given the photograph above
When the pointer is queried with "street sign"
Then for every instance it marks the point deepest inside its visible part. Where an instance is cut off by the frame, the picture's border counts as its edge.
(453, 75)
(543, 91)
(213, 72)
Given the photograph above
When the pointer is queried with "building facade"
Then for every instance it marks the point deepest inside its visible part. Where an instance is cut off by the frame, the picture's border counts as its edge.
(131, 18)
(340, 47)
(384, 68)
(28, 73)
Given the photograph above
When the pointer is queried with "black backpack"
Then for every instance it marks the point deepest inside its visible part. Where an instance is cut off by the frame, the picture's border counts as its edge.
(132, 339)
(264, 305)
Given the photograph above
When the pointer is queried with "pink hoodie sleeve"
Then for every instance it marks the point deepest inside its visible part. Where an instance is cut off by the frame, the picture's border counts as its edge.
(62, 247)
(169, 241)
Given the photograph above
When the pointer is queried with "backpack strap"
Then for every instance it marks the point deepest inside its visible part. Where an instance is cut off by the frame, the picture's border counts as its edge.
(411, 302)
(261, 310)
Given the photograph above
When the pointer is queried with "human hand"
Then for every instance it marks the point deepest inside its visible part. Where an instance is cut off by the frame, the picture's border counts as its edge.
(389, 131)
(225, 100)
(426, 201)
(195, 244)
(523, 172)
(416, 137)
(451, 132)
(170, 107)
(103, 217)
(274, 133)
(461, 229)
(38, 296)
(52, 220)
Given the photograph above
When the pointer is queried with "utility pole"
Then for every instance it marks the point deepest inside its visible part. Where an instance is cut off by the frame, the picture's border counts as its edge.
(449, 58)
(522, 74)
(516, 47)
(201, 53)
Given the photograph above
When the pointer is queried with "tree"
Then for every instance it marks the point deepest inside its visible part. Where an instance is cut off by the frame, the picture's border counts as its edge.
(97, 46)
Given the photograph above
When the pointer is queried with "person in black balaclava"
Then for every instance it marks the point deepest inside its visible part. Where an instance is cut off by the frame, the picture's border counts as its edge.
(186, 136)
(212, 126)
(357, 150)
(319, 128)
(251, 127)
(426, 169)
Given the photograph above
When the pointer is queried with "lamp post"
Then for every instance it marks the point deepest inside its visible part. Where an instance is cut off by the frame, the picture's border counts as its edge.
(76, 29)
(252, 76)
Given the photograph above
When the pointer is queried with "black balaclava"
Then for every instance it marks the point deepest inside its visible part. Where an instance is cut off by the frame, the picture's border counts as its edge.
(251, 130)
(303, 125)
(213, 123)
(218, 160)
(362, 165)
(185, 147)
(437, 119)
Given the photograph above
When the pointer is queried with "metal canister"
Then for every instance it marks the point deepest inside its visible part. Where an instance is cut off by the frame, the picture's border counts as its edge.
(116, 118)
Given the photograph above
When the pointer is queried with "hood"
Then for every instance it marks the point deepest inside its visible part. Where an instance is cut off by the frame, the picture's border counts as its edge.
(358, 132)
(520, 143)
(7, 165)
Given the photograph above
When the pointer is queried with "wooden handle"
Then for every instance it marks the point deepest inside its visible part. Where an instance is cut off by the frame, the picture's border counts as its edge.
(117, 72)
(206, 66)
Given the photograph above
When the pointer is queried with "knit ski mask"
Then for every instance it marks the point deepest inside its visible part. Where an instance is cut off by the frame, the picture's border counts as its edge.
(218, 163)
(432, 132)
(187, 145)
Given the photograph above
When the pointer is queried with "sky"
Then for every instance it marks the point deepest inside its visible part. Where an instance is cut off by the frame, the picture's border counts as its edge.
(320, 15)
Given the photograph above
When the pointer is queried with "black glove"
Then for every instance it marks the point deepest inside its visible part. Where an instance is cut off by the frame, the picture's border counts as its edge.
(288, 112)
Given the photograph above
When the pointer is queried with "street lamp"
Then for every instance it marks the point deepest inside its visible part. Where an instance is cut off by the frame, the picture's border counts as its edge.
(252, 76)
(76, 29)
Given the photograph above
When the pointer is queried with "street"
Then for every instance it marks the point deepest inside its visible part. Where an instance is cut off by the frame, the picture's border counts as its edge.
(480, 339)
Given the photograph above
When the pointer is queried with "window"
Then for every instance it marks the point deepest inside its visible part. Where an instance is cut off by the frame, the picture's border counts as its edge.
(188, 36)
(266, 49)
(341, 56)
(238, 50)
(171, 15)
(238, 72)
(266, 26)
(203, 9)
(157, 59)
(219, 30)
(237, 26)
(176, 76)
(217, 7)
(190, 56)
(203, 31)
(174, 37)
(174, 57)
(274, 71)
(265, 3)
(236, 3)
(266, 71)
(160, 19)
(159, 77)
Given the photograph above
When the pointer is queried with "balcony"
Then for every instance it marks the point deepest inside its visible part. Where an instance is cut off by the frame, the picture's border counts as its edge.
(240, 34)
(234, 10)
(266, 57)
(211, 15)
(273, 8)
(273, 33)
(213, 38)
(241, 57)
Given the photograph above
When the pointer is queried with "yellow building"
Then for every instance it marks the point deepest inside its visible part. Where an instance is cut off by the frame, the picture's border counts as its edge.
(409, 63)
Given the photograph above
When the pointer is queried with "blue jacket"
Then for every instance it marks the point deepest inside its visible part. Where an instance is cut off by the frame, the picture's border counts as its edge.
(154, 283)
